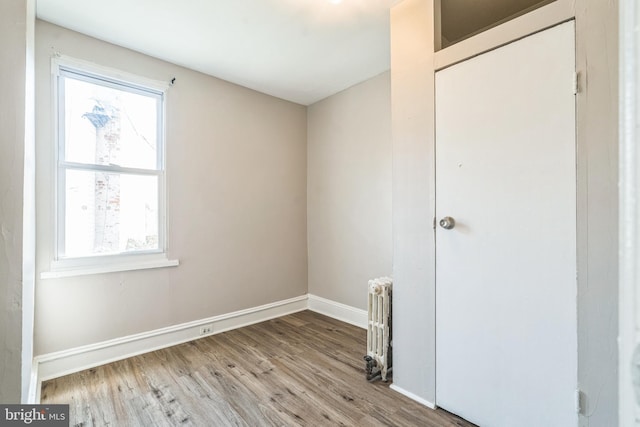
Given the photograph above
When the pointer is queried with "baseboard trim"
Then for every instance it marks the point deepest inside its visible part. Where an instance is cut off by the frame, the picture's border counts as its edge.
(61, 363)
(54, 365)
(413, 396)
(339, 311)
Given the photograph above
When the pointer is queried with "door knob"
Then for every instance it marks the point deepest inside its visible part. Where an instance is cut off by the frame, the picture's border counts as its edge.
(447, 223)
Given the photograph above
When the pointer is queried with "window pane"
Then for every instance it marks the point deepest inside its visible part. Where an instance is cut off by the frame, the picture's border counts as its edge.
(108, 126)
(107, 213)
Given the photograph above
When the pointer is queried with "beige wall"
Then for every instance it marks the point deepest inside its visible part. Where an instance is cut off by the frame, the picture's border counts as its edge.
(236, 171)
(349, 191)
(13, 57)
(412, 70)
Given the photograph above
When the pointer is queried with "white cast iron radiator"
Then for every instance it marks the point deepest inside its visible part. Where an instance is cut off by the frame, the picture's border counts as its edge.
(379, 343)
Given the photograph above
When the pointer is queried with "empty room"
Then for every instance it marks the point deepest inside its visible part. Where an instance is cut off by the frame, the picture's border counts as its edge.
(318, 212)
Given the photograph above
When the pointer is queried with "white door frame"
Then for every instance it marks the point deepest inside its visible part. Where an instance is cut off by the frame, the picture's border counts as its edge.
(629, 291)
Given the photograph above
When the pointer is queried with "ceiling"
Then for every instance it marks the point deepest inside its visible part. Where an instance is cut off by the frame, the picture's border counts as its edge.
(298, 50)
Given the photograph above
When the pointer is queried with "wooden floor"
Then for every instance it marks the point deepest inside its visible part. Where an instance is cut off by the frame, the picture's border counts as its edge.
(303, 369)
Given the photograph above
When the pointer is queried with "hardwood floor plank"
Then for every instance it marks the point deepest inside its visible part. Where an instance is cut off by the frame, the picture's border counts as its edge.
(304, 369)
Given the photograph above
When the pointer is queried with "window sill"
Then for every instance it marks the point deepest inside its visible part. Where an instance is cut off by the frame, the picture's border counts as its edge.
(109, 268)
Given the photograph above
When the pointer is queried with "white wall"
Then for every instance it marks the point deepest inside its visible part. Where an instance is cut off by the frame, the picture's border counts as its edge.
(236, 206)
(15, 138)
(349, 191)
(412, 69)
(412, 111)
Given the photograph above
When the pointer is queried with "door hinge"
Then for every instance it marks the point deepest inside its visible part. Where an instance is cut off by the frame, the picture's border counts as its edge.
(578, 401)
(635, 371)
(576, 83)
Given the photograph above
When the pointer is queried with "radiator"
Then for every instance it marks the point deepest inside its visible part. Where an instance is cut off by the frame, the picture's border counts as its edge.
(378, 358)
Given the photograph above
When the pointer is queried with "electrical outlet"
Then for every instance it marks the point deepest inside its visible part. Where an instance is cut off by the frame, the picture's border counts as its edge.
(206, 329)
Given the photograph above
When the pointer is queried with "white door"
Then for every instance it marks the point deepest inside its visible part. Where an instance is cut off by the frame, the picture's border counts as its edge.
(506, 334)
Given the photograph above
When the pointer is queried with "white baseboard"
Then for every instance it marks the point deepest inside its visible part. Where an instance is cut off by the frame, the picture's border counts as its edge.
(413, 396)
(343, 312)
(54, 365)
(58, 364)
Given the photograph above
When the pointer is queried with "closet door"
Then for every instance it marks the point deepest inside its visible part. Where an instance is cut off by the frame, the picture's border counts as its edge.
(506, 344)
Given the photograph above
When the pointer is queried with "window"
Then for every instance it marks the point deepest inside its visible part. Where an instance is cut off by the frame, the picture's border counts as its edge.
(110, 167)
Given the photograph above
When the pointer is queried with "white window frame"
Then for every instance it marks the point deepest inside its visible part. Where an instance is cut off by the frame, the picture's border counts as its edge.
(62, 266)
